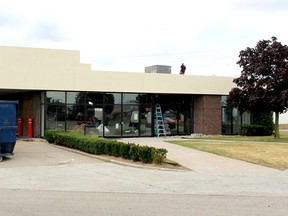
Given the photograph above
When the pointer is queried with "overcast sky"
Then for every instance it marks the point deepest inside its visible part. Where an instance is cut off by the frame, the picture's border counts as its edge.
(127, 35)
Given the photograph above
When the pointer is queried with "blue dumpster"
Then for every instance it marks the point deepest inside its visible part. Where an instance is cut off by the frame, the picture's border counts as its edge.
(8, 127)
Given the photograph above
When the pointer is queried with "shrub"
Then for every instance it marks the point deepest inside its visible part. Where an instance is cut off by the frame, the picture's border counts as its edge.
(252, 130)
(146, 154)
(50, 135)
(134, 152)
(160, 155)
(98, 146)
(115, 149)
(107, 148)
(124, 151)
(264, 119)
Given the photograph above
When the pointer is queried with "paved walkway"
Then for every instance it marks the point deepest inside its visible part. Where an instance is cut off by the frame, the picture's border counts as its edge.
(199, 161)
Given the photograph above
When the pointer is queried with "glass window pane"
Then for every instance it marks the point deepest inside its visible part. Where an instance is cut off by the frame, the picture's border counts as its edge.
(146, 120)
(130, 98)
(145, 98)
(112, 98)
(236, 121)
(55, 118)
(224, 100)
(130, 124)
(75, 118)
(226, 120)
(94, 98)
(246, 118)
(94, 120)
(184, 120)
(55, 97)
(75, 97)
(170, 119)
(112, 120)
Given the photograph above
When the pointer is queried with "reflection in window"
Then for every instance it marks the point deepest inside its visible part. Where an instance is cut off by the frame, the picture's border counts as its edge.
(55, 97)
(231, 118)
(112, 98)
(184, 120)
(55, 118)
(226, 120)
(116, 114)
(130, 98)
(75, 97)
(130, 120)
(112, 121)
(245, 118)
(145, 98)
(236, 121)
(170, 120)
(93, 98)
(75, 117)
(146, 126)
(224, 100)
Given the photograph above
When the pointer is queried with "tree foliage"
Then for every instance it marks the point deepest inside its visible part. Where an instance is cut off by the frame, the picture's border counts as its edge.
(263, 83)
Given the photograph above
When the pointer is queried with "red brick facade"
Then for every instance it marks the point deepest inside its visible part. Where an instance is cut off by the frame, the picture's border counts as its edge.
(207, 114)
(31, 108)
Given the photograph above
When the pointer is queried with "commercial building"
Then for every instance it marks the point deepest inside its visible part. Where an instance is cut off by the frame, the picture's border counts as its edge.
(59, 92)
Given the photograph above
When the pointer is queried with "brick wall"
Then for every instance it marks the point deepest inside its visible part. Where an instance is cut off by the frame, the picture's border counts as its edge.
(207, 114)
(31, 107)
(36, 114)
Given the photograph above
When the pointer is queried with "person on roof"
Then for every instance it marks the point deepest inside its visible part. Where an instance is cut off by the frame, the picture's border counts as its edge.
(182, 69)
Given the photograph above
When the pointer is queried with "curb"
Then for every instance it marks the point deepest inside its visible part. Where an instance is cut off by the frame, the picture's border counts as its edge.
(130, 164)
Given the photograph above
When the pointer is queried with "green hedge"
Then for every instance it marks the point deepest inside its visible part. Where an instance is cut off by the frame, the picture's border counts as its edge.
(252, 130)
(100, 146)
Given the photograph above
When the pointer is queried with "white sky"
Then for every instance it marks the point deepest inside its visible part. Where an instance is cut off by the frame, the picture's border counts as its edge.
(127, 35)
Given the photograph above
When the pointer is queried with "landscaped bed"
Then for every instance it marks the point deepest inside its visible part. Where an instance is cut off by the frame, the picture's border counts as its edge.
(101, 146)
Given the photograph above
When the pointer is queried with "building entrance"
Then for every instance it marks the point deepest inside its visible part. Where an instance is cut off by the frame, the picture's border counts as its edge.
(177, 112)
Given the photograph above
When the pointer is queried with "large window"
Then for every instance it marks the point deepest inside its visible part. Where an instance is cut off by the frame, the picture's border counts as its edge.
(130, 115)
(112, 120)
(75, 112)
(54, 97)
(146, 121)
(232, 119)
(176, 110)
(111, 114)
(55, 110)
(116, 114)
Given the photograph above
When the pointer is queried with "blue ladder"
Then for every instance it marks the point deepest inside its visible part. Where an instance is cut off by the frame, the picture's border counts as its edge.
(160, 126)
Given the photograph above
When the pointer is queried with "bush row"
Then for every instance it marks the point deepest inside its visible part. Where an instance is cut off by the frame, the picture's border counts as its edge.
(253, 130)
(100, 146)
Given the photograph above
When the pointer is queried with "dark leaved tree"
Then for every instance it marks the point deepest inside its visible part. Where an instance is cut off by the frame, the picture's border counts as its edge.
(263, 84)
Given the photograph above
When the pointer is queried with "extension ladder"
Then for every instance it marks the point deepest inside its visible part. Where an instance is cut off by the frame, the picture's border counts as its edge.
(160, 127)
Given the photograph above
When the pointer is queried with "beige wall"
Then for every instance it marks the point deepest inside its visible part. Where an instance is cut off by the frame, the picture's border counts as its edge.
(31, 68)
(48, 69)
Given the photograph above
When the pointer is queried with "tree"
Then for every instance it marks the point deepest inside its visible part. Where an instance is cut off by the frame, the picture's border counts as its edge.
(263, 83)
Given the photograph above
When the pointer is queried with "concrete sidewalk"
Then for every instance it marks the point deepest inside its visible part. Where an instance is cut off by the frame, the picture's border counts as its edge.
(38, 165)
(37, 152)
(43, 175)
(29, 154)
(199, 161)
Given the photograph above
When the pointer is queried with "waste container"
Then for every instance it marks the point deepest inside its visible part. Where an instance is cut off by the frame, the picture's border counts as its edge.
(8, 127)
